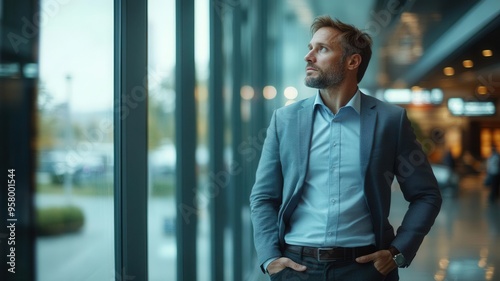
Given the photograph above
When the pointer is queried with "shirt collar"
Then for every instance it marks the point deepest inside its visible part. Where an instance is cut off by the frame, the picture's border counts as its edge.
(354, 102)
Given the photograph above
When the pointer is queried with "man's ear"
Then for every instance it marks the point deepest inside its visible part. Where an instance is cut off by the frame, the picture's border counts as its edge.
(353, 61)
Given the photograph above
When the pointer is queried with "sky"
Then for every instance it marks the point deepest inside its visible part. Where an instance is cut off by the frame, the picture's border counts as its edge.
(76, 39)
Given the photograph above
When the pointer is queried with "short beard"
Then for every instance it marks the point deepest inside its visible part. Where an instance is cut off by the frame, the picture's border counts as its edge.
(334, 77)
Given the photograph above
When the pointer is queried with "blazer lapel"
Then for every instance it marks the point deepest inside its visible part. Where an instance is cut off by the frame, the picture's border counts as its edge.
(304, 132)
(305, 124)
(367, 131)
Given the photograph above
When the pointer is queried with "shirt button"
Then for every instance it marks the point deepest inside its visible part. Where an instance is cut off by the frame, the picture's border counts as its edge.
(332, 200)
(330, 233)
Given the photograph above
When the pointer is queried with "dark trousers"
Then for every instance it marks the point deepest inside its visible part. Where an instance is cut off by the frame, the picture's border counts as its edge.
(328, 271)
(495, 188)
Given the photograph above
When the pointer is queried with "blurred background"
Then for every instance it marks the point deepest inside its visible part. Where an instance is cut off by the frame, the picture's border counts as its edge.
(135, 128)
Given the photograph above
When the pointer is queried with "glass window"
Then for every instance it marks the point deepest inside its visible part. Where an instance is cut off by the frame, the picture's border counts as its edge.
(74, 177)
(162, 251)
(204, 195)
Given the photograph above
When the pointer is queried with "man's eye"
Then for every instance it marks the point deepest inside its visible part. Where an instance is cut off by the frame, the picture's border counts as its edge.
(323, 49)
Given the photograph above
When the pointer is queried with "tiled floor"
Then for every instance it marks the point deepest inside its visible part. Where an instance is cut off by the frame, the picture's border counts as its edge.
(464, 243)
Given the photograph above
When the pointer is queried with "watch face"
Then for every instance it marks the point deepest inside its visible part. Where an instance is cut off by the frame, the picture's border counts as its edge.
(400, 260)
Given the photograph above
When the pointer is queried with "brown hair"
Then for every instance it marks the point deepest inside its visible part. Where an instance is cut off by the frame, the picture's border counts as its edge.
(353, 40)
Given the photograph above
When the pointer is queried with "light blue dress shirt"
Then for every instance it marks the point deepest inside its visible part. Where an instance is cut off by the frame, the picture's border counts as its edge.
(333, 210)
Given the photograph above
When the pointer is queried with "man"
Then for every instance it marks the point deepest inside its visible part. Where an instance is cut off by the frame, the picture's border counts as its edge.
(321, 199)
(493, 174)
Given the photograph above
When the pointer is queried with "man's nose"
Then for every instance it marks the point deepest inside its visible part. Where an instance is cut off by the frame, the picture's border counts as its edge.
(309, 57)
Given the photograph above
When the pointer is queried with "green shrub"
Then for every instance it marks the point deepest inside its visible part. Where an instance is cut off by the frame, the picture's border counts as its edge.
(59, 220)
(162, 188)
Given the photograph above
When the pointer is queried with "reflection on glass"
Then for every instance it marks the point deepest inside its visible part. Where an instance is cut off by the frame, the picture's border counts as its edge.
(162, 251)
(74, 178)
(204, 194)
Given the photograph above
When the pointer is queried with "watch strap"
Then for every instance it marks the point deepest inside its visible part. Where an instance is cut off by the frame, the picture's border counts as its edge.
(394, 251)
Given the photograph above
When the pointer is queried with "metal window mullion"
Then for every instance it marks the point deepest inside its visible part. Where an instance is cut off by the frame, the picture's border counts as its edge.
(259, 73)
(258, 77)
(130, 128)
(217, 184)
(185, 141)
(18, 112)
(237, 179)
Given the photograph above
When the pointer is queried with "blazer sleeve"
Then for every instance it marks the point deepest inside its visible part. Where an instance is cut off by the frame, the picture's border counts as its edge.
(419, 187)
(266, 197)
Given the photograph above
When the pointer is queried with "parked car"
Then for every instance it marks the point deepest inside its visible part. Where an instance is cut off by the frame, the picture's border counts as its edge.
(169, 226)
(59, 163)
(162, 162)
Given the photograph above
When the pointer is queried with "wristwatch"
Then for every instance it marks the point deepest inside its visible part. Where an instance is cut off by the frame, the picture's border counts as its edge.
(398, 257)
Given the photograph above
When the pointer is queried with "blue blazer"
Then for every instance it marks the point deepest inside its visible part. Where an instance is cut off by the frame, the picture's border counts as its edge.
(388, 149)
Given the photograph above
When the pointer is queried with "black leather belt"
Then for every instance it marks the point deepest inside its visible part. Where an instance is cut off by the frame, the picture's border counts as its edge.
(336, 254)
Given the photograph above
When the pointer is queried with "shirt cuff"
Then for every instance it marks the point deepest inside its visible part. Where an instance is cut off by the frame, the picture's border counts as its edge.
(266, 263)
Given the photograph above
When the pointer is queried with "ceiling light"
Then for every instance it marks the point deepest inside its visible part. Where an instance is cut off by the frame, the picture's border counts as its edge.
(269, 92)
(416, 89)
(247, 92)
(482, 90)
(468, 63)
(487, 53)
(291, 93)
(449, 71)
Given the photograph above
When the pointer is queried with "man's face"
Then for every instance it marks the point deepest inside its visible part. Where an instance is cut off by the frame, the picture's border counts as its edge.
(325, 65)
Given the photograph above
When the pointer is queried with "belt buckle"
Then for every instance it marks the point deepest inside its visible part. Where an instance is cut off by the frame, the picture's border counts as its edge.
(324, 254)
